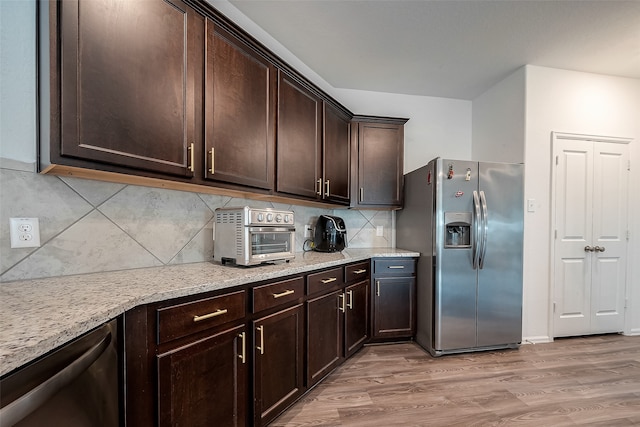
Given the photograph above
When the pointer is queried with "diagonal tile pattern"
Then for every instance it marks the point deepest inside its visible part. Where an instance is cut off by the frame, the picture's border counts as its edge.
(91, 226)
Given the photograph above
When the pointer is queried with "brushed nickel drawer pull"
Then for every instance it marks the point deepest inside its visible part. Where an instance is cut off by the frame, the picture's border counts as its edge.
(261, 346)
(191, 157)
(244, 348)
(285, 293)
(329, 280)
(396, 266)
(360, 271)
(218, 312)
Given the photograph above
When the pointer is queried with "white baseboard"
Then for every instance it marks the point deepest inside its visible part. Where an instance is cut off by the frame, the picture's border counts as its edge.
(537, 340)
(633, 332)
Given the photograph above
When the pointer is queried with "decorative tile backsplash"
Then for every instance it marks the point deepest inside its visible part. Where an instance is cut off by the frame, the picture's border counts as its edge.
(91, 226)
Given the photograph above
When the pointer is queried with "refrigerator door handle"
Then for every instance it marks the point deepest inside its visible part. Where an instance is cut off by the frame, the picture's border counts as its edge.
(477, 230)
(485, 228)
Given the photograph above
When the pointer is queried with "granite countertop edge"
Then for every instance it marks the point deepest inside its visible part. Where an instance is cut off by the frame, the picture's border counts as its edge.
(40, 315)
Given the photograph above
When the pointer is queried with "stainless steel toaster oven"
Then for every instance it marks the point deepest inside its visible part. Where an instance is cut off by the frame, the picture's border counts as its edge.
(250, 236)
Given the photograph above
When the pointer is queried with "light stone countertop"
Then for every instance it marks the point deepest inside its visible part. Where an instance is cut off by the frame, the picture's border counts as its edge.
(37, 316)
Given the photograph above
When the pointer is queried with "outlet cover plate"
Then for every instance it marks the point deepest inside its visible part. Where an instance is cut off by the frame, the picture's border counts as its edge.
(25, 232)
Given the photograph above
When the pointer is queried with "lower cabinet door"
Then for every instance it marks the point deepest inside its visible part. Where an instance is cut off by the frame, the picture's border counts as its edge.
(324, 335)
(204, 383)
(356, 316)
(394, 312)
(279, 362)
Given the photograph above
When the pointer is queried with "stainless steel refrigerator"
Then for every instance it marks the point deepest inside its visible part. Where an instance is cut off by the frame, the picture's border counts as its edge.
(466, 220)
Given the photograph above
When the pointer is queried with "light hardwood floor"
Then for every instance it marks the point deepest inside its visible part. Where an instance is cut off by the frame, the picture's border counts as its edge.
(576, 381)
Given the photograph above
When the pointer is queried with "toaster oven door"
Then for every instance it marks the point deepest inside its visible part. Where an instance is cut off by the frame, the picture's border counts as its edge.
(271, 243)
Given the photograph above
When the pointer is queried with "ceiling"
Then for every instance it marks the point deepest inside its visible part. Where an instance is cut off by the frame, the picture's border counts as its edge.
(450, 48)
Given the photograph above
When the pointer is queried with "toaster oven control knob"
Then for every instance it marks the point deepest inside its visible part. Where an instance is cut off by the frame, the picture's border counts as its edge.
(278, 218)
(269, 217)
(287, 219)
(260, 217)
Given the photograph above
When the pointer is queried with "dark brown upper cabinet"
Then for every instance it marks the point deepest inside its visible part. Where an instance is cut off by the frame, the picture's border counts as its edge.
(239, 112)
(337, 155)
(313, 154)
(299, 150)
(126, 84)
(378, 146)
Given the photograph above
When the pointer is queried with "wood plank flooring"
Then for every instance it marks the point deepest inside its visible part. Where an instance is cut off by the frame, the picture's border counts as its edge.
(576, 381)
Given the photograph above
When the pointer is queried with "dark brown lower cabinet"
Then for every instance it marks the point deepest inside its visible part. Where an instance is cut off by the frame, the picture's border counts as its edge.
(204, 383)
(278, 362)
(324, 335)
(356, 316)
(394, 301)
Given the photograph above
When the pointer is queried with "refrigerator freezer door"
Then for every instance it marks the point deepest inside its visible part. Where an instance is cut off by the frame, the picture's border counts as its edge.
(455, 282)
(500, 278)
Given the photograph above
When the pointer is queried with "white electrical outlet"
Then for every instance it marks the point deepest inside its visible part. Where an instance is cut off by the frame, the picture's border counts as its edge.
(380, 230)
(307, 230)
(25, 232)
(531, 205)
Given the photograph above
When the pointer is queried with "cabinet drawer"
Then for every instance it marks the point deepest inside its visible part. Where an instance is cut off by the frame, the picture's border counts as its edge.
(181, 320)
(275, 294)
(394, 266)
(325, 280)
(356, 272)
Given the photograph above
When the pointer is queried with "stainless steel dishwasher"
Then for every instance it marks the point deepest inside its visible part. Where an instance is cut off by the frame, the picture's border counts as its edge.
(75, 385)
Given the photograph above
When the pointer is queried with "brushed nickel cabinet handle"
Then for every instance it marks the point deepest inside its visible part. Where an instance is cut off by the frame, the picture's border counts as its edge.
(589, 249)
(243, 353)
(341, 303)
(361, 194)
(396, 267)
(213, 160)
(285, 293)
(261, 346)
(319, 187)
(350, 300)
(218, 312)
(360, 271)
(326, 192)
(329, 280)
(191, 157)
(377, 288)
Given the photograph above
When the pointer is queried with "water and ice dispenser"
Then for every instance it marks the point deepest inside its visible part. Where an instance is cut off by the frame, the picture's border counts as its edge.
(457, 229)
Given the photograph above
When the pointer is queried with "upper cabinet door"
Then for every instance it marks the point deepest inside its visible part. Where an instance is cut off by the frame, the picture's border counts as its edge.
(336, 155)
(380, 155)
(130, 76)
(299, 140)
(239, 112)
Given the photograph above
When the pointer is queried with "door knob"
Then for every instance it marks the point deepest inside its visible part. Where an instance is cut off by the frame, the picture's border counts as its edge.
(588, 249)
(599, 249)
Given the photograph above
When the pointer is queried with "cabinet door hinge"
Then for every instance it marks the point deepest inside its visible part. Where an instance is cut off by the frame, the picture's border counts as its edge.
(628, 235)
(554, 307)
(557, 160)
(629, 165)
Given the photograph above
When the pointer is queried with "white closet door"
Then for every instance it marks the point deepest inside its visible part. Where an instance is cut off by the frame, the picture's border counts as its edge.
(591, 180)
(609, 267)
(572, 269)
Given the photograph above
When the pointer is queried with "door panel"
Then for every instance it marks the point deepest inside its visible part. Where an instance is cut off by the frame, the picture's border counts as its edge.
(500, 278)
(609, 232)
(574, 198)
(591, 212)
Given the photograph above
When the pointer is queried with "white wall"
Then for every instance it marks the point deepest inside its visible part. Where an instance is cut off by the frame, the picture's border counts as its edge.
(573, 102)
(499, 121)
(17, 82)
